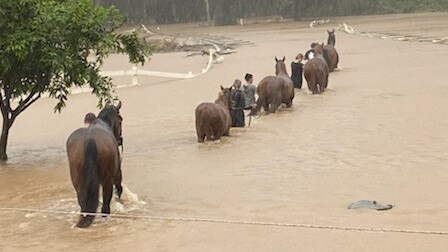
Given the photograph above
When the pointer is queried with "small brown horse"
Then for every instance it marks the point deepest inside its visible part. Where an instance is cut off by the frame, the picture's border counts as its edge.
(213, 119)
(274, 90)
(316, 71)
(330, 53)
(94, 160)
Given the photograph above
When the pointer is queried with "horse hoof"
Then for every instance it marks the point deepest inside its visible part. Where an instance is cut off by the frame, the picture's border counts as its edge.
(85, 222)
(119, 191)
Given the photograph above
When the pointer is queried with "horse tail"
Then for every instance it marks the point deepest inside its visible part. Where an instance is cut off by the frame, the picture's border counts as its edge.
(88, 193)
(326, 57)
(337, 60)
(257, 108)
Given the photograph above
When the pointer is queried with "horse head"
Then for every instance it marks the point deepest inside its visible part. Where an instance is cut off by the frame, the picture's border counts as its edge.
(319, 48)
(280, 66)
(111, 116)
(331, 38)
(225, 97)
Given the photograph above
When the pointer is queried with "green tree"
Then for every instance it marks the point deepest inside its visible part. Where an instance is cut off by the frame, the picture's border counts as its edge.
(49, 46)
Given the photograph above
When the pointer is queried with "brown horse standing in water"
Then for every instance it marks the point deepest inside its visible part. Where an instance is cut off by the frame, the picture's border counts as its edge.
(213, 119)
(274, 90)
(330, 53)
(94, 160)
(316, 71)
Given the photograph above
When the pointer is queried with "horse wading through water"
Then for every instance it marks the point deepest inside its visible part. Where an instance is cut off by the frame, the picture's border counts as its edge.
(213, 119)
(330, 53)
(94, 160)
(316, 71)
(274, 90)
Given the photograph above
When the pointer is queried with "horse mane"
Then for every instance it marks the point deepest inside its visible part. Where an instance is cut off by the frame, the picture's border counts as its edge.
(107, 114)
(281, 67)
(222, 97)
(331, 38)
(318, 49)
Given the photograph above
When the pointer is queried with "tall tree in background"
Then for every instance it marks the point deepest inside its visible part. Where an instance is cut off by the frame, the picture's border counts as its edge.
(225, 12)
(207, 9)
(49, 46)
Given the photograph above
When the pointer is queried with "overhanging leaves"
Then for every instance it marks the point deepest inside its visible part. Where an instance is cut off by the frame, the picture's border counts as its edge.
(53, 45)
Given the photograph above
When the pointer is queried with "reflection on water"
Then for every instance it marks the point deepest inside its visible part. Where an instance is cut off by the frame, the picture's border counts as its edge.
(26, 156)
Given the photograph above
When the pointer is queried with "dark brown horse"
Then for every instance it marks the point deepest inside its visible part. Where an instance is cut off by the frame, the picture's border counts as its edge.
(274, 90)
(330, 53)
(94, 160)
(316, 71)
(213, 119)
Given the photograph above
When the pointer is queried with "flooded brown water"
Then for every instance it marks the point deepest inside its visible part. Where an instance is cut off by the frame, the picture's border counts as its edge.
(379, 133)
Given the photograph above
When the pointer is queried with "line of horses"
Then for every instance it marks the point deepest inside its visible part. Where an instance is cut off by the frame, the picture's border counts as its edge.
(213, 119)
(93, 152)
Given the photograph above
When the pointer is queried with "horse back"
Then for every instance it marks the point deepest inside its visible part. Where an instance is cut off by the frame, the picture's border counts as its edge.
(316, 66)
(274, 84)
(333, 57)
(107, 149)
(316, 73)
(75, 150)
(212, 115)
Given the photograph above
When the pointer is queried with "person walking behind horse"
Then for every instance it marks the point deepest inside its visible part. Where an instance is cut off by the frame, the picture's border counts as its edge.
(296, 71)
(310, 53)
(237, 113)
(88, 119)
(249, 92)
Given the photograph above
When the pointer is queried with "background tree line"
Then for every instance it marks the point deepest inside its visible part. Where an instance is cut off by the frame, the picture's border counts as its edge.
(223, 12)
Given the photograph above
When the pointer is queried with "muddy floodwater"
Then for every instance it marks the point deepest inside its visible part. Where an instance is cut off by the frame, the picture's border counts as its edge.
(378, 133)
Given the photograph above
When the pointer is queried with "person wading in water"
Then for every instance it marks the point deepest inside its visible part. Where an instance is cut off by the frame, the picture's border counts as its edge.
(297, 69)
(249, 92)
(88, 119)
(237, 113)
(310, 53)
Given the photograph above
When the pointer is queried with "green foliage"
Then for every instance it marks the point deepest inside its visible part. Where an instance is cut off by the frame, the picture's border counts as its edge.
(53, 45)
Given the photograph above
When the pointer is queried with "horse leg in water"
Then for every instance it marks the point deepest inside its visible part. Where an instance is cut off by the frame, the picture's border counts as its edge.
(289, 103)
(323, 83)
(118, 179)
(312, 83)
(274, 107)
(201, 138)
(209, 135)
(265, 105)
(276, 102)
(107, 196)
(317, 88)
(201, 135)
(217, 136)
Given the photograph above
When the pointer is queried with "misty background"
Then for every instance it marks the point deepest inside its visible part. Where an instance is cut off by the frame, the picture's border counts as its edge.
(227, 12)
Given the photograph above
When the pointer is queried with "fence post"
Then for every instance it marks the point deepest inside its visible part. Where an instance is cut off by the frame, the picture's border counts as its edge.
(134, 76)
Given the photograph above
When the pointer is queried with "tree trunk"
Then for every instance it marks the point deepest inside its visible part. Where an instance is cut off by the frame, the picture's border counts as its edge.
(4, 138)
(207, 9)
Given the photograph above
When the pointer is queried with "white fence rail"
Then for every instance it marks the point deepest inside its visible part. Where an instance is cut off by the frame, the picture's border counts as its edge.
(134, 72)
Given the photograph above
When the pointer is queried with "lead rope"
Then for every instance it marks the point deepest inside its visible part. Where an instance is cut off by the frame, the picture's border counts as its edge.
(235, 222)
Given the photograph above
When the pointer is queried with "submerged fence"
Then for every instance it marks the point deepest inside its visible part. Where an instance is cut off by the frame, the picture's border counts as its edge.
(134, 73)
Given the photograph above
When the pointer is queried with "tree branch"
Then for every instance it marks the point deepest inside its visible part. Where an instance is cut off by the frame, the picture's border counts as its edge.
(25, 104)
